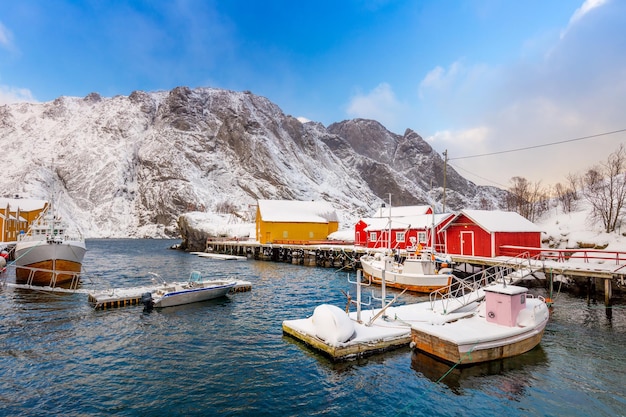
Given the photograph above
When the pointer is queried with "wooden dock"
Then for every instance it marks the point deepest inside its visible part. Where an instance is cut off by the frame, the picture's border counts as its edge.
(588, 268)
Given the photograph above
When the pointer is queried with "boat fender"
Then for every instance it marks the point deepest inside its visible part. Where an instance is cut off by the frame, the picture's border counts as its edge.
(332, 324)
(3, 262)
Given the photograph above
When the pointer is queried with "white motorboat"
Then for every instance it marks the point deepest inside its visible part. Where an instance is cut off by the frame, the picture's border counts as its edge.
(48, 254)
(423, 272)
(195, 290)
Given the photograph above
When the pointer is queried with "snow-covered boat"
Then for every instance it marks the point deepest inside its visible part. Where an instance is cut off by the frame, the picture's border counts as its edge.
(507, 323)
(195, 290)
(48, 254)
(423, 272)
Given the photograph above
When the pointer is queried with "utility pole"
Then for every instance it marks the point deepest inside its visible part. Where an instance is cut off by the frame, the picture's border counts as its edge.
(445, 168)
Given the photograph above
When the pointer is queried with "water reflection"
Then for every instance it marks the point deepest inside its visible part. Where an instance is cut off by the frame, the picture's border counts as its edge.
(511, 375)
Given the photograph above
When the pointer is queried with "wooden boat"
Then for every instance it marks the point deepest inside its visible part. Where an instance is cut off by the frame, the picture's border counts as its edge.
(195, 290)
(507, 323)
(423, 272)
(48, 254)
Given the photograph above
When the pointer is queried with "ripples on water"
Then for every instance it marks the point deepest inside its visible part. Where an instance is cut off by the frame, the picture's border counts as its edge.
(229, 356)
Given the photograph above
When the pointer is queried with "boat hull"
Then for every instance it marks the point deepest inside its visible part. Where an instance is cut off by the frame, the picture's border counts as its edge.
(421, 283)
(473, 340)
(193, 295)
(42, 263)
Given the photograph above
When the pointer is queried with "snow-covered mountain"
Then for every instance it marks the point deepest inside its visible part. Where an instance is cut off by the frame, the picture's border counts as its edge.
(129, 166)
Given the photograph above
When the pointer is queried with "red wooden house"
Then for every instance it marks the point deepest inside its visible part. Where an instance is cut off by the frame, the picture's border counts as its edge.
(484, 232)
(406, 232)
(363, 237)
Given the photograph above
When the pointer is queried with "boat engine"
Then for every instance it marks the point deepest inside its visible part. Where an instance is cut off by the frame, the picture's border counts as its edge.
(147, 301)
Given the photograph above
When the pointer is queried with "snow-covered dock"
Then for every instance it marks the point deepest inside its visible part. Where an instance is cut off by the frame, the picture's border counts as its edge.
(344, 336)
(121, 297)
(220, 256)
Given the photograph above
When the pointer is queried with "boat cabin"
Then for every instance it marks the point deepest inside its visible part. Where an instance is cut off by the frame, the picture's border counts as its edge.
(504, 303)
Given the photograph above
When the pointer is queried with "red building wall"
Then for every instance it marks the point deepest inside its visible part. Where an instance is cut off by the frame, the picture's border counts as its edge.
(467, 238)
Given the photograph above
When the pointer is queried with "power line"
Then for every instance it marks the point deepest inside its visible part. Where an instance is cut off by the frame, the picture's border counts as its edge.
(476, 175)
(540, 146)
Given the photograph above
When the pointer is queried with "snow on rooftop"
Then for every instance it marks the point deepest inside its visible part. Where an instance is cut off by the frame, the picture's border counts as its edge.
(23, 204)
(501, 221)
(297, 211)
(423, 221)
(402, 211)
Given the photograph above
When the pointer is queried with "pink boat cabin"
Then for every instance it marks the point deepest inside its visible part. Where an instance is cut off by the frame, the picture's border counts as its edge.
(504, 303)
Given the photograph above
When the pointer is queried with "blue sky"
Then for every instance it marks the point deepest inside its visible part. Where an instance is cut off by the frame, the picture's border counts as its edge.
(472, 77)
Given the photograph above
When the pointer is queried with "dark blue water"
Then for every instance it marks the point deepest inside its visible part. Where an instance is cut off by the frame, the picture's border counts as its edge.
(58, 356)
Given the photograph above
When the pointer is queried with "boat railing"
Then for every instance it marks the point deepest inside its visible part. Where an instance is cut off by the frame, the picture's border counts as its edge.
(72, 284)
(359, 302)
(462, 292)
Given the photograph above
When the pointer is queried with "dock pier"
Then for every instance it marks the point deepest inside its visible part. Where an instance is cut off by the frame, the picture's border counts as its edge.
(608, 273)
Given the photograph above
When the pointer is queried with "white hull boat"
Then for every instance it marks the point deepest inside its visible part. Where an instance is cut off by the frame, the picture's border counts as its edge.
(48, 255)
(418, 273)
(193, 291)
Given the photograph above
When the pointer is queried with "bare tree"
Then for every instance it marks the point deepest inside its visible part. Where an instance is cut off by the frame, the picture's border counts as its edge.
(573, 181)
(526, 198)
(565, 196)
(605, 189)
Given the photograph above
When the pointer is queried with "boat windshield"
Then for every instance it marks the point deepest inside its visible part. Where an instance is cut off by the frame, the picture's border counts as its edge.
(195, 276)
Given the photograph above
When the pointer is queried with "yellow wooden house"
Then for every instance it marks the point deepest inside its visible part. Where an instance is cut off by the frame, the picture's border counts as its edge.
(16, 216)
(292, 221)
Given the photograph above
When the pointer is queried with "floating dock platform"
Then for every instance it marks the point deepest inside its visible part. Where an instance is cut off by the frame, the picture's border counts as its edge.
(220, 256)
(122, 297)
(375, 331)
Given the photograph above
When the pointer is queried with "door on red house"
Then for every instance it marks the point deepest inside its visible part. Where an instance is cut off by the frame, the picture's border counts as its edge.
(467, 243)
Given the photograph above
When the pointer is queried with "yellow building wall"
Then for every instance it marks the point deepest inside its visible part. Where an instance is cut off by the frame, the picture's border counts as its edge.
(10, 229)
(270, 232)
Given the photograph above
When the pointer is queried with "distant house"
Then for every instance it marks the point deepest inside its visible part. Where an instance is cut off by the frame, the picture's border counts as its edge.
(364, 238)
(484, 232)
(16, 216)
(290, 221)
(406, 232)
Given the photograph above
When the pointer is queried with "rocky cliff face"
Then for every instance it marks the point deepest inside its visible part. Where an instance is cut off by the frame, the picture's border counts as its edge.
(129, 166)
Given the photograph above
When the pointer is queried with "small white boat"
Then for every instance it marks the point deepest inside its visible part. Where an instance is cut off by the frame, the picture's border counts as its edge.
(423, 272)
(507, 323)
(195, 290)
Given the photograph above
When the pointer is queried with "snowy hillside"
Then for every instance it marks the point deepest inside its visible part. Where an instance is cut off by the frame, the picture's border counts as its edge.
(130, 166)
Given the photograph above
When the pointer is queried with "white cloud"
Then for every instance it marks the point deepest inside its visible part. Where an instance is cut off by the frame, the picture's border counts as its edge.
(6, 37)
(15, 95)
(379, 104)
(586, 7)
(441, 79)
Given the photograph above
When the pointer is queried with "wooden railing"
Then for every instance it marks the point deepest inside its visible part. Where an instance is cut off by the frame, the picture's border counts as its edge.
(563, 255)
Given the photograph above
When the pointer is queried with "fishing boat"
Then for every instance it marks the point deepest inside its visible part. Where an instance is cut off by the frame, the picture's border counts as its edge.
(422, 272)
(49, 254)
(195, 290)
(508, 322)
